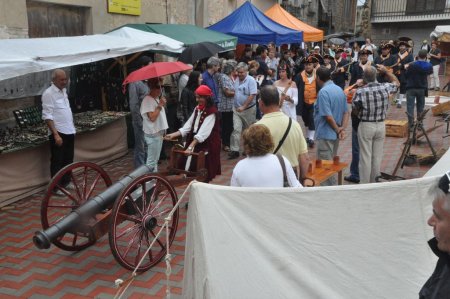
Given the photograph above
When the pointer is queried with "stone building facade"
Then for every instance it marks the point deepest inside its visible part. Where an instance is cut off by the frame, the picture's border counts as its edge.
(329, 15)
(14, 14)
(34, 18)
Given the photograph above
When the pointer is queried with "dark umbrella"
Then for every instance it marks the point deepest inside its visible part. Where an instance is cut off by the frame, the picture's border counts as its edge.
(359, 40)
(337, 41)
(195, 52)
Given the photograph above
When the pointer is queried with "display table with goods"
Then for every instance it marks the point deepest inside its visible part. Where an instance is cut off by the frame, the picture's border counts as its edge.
(25, 152)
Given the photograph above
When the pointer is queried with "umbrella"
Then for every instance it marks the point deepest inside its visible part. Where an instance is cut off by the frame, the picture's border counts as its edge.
(195, 52)
(155, 70)
(337, 41)
(359, 40)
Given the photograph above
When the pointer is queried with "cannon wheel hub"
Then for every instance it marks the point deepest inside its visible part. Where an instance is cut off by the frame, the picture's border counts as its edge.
(150, 222)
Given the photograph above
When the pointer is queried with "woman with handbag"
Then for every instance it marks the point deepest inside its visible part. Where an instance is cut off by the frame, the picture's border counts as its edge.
(261, 168)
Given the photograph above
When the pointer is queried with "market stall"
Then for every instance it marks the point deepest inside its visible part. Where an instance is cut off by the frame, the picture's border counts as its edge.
(281, 16)
(26, 165)
(185, 33)
(101, 136)
(251, 26)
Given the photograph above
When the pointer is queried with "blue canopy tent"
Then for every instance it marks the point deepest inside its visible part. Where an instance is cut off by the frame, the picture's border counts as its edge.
(251, 26)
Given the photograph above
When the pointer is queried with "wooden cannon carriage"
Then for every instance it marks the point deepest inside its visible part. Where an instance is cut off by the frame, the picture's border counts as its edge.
(131, 211)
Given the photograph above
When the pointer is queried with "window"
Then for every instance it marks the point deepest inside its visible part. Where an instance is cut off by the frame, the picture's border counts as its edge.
(425, 6)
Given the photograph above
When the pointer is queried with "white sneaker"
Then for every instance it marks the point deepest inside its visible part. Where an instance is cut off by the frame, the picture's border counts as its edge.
(58, 193)
(70, 186)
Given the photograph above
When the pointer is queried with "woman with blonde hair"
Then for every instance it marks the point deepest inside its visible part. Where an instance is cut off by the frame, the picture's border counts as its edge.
(261, 168)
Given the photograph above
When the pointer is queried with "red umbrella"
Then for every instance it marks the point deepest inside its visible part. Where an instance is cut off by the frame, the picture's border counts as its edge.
(155, 70)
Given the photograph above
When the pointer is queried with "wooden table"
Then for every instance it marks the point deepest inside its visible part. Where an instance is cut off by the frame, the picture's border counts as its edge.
(327, 170)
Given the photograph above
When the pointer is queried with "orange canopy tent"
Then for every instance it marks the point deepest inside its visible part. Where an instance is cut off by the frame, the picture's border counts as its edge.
(281, 16)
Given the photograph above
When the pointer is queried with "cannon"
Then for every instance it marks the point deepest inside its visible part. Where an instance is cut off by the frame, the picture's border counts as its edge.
(131, 210)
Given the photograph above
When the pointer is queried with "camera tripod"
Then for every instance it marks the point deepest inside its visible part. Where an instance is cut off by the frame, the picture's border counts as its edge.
(406, 156)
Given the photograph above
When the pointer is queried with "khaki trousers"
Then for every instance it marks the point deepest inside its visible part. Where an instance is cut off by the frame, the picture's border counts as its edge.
(371, 143)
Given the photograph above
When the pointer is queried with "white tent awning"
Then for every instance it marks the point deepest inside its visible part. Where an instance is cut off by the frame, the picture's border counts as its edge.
(25, 56)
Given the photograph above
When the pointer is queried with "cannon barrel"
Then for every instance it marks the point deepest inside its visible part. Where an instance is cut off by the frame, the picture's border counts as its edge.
(93, 206)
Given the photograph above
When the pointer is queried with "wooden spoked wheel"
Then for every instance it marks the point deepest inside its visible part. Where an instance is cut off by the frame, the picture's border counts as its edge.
(86, 180)
(137, 217)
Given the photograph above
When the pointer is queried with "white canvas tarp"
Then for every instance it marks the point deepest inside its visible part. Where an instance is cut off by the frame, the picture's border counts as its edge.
(361, 241)
(441, 166)
(24, 56)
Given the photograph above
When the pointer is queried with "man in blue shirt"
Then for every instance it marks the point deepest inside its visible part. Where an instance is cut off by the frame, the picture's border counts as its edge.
(330, 117)
(209, 77)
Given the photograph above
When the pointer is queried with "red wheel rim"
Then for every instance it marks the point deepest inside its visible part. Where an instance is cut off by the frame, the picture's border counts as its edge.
(88, 180)
(136, 219)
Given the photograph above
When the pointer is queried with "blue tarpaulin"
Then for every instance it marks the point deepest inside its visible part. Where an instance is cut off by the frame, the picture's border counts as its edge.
(251, 26)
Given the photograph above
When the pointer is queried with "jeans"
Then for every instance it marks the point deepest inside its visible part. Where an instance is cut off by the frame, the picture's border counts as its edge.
(139, 144)
(154, 144)
(418, 96)
(354, 166)
(434, 82)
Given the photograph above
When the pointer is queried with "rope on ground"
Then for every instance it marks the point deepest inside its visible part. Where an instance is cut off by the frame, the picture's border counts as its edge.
(168, 258)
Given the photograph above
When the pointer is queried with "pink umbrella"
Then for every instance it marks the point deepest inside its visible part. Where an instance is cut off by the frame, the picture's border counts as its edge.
(155, 70)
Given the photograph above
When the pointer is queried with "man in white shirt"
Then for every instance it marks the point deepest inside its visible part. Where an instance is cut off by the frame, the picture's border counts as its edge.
(57, 115)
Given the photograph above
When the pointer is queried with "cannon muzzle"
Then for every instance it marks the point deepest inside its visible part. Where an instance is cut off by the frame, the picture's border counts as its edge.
(93, 206)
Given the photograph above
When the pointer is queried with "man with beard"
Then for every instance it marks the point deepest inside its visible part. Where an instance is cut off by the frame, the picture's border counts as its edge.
(307, 95)
(340, 73)
(386, 59)
(403, 59)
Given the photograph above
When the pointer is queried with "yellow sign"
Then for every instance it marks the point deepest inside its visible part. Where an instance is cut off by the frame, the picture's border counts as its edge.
(127, 7)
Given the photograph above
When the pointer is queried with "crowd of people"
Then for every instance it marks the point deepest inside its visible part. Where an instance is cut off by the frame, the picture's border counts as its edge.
(258, 101)
(320, 87)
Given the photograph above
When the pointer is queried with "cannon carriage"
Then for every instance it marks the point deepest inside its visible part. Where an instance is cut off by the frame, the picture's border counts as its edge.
(131, 211)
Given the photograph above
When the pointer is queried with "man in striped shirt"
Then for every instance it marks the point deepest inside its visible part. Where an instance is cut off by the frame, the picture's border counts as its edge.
(371, 103)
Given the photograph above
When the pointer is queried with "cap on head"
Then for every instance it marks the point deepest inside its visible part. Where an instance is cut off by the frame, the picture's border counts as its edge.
(386, 46)
(444, 183)
(404, 43)
(365, 52)
(425, 41)
(310, 59)
(316, 47)
(203, 90)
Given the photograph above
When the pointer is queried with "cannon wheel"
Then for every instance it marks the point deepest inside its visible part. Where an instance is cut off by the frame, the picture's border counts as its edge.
(136, 218)
(88, 180)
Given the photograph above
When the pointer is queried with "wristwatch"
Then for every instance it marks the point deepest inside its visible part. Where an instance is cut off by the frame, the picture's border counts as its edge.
(190, 148)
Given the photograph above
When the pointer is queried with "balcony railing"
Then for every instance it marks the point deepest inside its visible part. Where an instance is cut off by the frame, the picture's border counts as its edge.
(409, 10)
